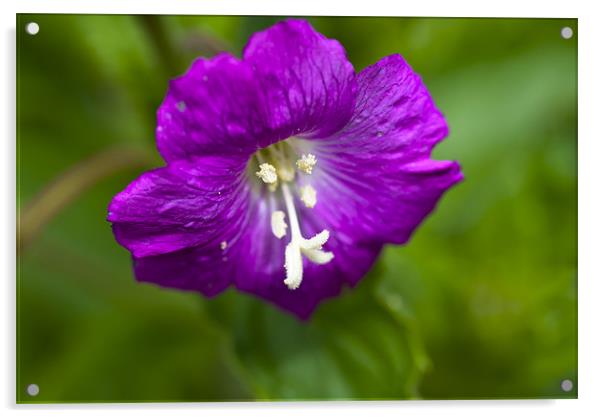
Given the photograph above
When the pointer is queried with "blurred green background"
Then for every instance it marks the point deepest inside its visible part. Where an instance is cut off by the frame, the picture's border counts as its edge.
(480, 304)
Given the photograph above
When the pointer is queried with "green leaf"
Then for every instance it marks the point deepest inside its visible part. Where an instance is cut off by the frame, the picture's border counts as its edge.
(352, 348)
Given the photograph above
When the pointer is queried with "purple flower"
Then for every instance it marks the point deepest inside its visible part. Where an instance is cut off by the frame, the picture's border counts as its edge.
(286, 171)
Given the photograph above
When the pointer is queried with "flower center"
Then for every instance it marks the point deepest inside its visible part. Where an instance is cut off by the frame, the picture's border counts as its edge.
(276, 165)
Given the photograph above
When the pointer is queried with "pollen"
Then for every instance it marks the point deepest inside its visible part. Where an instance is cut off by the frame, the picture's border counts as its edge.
(267, 173)
(308, 196)
(306, 163)
(279, 224)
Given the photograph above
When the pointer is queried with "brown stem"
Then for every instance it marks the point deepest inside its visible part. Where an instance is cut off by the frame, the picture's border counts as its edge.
(69, 185)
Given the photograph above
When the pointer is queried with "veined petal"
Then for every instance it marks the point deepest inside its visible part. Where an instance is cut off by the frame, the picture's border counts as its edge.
(306, 81)
(259, 261)
(377, 170)
(253, 260)
(320, 281)
(204, 269)
(213, 108)
(182, 205)
(200, 224)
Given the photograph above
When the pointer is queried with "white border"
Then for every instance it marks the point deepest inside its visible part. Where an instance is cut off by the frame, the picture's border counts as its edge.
(590, 209)
(508, 8)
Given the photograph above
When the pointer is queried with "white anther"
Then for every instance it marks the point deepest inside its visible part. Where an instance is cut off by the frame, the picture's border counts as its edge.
(278, 224)
(308, 196)
(307, 163)
(223, 245)
(267, 173)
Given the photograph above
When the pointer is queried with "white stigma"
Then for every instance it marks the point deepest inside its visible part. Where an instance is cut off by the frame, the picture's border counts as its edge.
(311, 248)
(306, 163)
(293, 263)
(267, 173)
(308, 196)
(278, 224)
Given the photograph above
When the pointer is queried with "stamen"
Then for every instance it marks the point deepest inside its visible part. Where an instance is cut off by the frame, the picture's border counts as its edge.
(267, 173)
(280, 171)
(223, 245)
(307, 163)
(278, 224)
(308, 196)
(284, 167)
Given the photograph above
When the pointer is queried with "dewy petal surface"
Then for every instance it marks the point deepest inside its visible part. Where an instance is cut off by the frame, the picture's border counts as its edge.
(305, 79)
(291, 81)
(213, 108)
(187, 203)
(377, 169)
(203, 222)
(206, 269)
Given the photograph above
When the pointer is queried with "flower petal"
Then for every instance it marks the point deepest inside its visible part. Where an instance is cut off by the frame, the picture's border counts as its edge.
(210, 266)
(182, 205)
(253, 260)
(320, 282)
(213, 108)
(308, 84)
(203, 269)
(375, 178)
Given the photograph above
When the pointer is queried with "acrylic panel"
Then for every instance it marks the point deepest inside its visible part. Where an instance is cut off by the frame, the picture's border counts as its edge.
(240, 208)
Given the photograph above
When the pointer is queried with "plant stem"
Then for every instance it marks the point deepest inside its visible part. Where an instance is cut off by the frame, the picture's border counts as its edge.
(71, 184)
